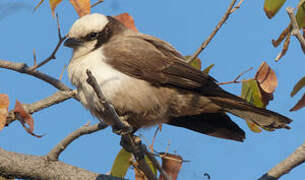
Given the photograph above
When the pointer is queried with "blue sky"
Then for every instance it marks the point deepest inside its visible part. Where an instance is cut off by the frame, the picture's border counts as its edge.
(243, 42)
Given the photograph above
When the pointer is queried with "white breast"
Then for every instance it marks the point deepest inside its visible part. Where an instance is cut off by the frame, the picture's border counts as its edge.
(109, 79)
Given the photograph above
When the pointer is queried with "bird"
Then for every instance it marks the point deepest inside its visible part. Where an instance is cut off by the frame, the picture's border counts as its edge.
(149, 83)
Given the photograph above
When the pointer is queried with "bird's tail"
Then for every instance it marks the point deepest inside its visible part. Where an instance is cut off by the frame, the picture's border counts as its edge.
(239, 107)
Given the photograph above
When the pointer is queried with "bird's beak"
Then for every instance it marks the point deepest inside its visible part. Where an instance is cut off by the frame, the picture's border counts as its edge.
(72, 43)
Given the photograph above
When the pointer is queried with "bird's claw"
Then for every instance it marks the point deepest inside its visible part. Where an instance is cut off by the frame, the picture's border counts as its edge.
(122, 130)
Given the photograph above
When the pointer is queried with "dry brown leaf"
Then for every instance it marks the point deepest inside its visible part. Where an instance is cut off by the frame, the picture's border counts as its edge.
(278, 41)
(285, 48)
(25, 118)
(266, 78)
(172, 164)
(4, 103)
(53, 4)
(299, 105)
(82, 7)
(127, 20)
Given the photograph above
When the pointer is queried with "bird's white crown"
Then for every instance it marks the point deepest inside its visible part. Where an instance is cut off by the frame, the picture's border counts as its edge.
(88, 24)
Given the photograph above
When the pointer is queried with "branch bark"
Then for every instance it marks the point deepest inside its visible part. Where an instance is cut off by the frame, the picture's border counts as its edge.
(60, 147)
(23, 68)
(284, 167)
(208, 40)
(295, 28)
(34, 167)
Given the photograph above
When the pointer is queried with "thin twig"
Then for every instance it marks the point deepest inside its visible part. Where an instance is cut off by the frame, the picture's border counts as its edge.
(97, 3)
(207, 41)
(60, 147)
(151, 147)
(52, 56)
(34, 57)
(62, 72)
(56, 98)
(134, 144)
(284, 167)
(237, 6)
(295, 28)
(236, 79)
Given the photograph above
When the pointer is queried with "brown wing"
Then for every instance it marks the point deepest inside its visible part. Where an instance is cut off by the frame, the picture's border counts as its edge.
(148, 58)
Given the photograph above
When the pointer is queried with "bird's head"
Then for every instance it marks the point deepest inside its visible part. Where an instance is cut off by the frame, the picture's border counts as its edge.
(88, 33)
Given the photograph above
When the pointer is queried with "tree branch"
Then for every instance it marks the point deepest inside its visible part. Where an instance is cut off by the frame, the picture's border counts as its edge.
(97, 3)
(284, 167)
(24, 166)
(237, 6)
(295, 28)
(52, 56)
(208, 40)
(60, 147)
(56, 98)
(236, 79)
(23, 68)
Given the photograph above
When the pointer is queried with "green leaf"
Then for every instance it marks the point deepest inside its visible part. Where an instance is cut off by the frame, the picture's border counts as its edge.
(271, 7)
(207, 70)
(299, 85)
(251, 93)
(151, 165)
(300, 16)
(121, 164)
(196, 63)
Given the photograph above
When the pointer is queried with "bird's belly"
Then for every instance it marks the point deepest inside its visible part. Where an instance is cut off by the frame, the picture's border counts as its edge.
(135, 97)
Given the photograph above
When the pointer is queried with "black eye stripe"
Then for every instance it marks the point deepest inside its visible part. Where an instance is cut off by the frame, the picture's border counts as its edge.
(91, 36)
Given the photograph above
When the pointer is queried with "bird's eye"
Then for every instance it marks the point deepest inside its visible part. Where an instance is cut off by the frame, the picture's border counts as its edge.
(92, 36)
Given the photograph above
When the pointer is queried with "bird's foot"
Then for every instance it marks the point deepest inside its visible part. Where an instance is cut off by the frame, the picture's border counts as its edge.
(133, 144)
(122, 130)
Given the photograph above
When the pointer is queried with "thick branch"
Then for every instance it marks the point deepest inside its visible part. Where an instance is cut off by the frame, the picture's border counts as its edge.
(56, 98)
(284, 167)
(60, 147)
(23, 68)
(295, 28)
(23, 166)
(208, 40)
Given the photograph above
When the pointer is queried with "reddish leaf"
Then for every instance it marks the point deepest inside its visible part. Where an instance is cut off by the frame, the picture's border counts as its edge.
(53, 4)
(300, 104)
(127, 20)
(82, 7)
(4, 103)
(266, 78)
(172, 164)
(25, 118)
(298, 86)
